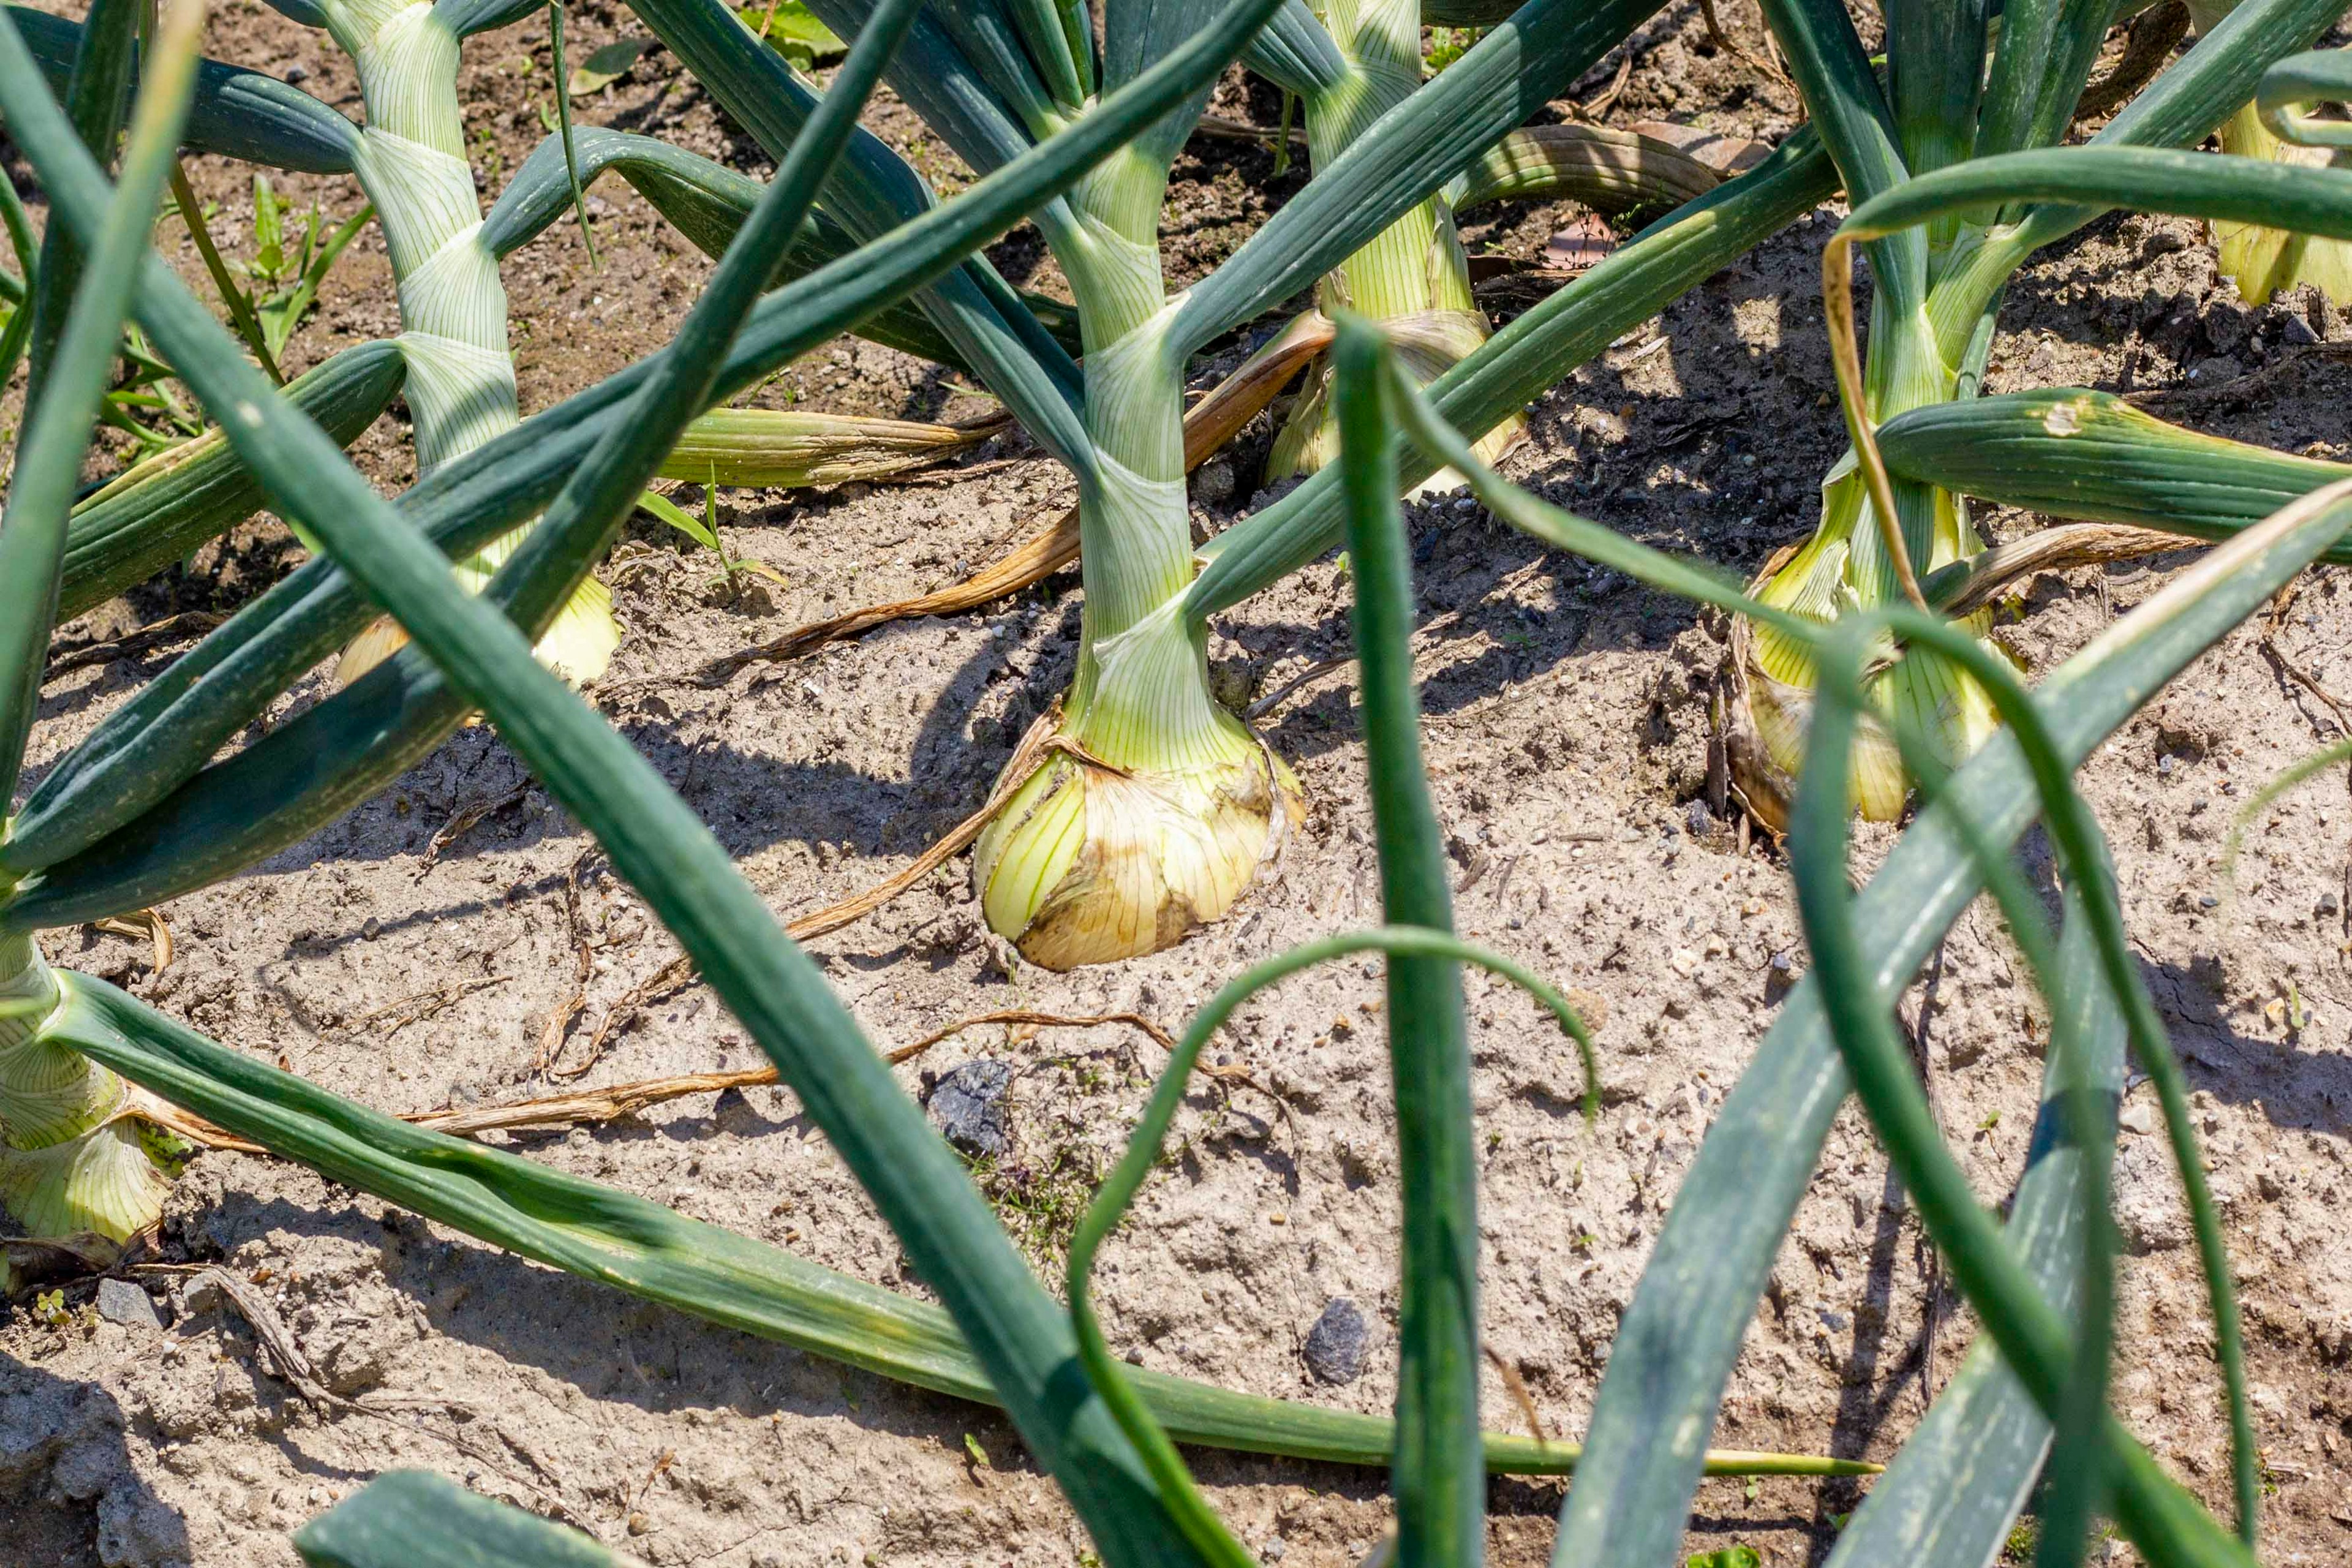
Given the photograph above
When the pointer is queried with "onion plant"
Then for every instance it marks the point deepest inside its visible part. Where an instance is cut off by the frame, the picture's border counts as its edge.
(89, 1076)
(1935, 300)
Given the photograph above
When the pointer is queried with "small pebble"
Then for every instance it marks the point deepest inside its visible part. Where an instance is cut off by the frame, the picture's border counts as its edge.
(968, 1107)
(120, 1301)
(2139, 1117)
(1335, 1345)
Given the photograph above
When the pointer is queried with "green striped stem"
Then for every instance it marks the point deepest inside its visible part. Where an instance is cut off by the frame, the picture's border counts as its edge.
(1859, 556)
(411, 162)
(1412, 277)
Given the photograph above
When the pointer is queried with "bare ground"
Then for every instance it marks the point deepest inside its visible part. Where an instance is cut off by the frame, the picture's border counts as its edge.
(1565, 734)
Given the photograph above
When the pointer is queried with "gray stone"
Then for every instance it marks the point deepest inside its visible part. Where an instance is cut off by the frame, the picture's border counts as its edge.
(968, 1107)
(120, 1301)
(1335, 1345)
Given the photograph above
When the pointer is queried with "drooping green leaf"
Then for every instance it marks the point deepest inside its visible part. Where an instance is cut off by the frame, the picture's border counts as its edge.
(2074, 453)
(615, 1239)
(1674, 1347)
(418, 1518)
(237, 113)
(1951, 1496)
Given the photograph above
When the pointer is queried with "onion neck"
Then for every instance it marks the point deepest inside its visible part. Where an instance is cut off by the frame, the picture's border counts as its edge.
(1141, 698)
(460, 383)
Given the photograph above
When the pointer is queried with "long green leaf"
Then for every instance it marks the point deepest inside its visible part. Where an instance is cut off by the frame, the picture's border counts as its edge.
(615, 1239)
(1844, 105)
(2069, 452)
(32, 527)
(418, 1518)
(1951, 1496)
(2143, 179)
(1441, 1503)
(2067, 1380)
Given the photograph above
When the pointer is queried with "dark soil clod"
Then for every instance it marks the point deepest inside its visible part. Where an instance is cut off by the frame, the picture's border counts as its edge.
(1335, 1345)
(968, 1107)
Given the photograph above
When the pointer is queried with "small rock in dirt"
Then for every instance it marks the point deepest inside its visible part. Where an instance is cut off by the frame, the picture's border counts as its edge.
(1213, 481)
(1698, 819)
(120, 1301)
(2139, 1119)
(968, 1106)
(1335, 1345)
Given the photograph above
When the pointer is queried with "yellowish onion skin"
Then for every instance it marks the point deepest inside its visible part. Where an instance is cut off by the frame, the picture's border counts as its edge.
(1091, 864)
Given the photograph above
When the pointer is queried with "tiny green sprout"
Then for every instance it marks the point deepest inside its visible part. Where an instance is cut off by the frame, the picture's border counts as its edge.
(1990, 1122)
(979, 1455)
(1753, 1490)
(49, 1306)
(1740, 1556)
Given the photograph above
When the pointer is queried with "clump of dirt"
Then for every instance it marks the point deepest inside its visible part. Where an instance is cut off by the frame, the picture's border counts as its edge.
(412, 955)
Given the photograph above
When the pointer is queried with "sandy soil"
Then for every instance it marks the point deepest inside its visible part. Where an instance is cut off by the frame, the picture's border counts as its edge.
(1565, 730)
